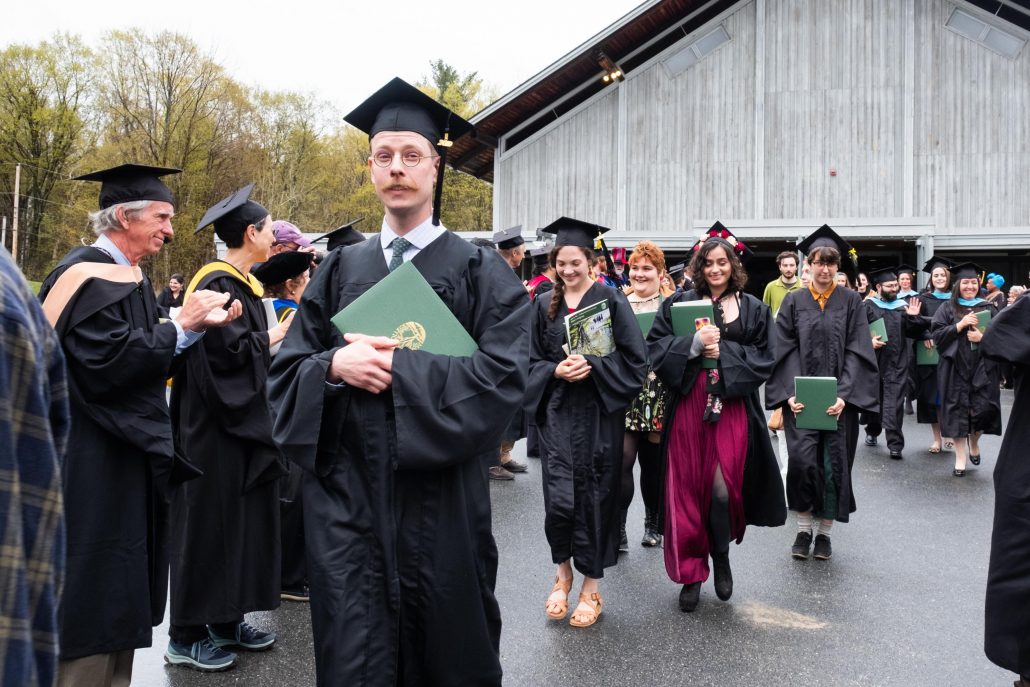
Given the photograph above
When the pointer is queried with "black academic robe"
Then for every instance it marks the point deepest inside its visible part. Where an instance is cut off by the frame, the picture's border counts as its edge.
(1007, 622)
(830, 342)
(926, 375)
(743, 368)
(401, 558)
(115, 472)
(968, 383)
(894, 362)
(581, 427)
(225, 529)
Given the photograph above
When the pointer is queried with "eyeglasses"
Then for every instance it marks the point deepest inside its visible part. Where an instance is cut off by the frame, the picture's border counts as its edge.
(819, 263)
(409, 158)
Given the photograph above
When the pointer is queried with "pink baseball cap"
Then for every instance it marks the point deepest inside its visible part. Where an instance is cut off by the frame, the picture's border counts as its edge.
(288, 233)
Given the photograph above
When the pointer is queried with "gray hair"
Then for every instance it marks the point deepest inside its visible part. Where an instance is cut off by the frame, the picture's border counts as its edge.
(107, 219)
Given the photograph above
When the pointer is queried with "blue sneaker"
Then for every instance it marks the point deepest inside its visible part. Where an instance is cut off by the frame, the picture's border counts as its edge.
(203, 656)
(246, 637)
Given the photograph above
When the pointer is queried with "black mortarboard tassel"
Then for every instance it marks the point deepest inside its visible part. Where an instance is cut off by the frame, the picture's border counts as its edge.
(399, 106)
(131, 182)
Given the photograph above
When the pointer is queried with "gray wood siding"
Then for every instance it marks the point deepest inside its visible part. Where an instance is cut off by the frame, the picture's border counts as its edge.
(833, 87)
(838, 87)
(569, 170)
(690, 138)
(972, 128)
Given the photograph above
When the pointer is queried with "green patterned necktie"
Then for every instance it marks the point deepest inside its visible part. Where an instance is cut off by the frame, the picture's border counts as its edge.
(399, 245)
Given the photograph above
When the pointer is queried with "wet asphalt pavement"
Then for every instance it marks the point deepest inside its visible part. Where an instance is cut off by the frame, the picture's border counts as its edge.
(900, 603)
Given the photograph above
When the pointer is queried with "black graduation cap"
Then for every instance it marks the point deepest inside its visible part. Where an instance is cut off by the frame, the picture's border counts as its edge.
(282, 266)
(541, 256)
(399, 106)
(130, 182)
(825, 236)
(345, 235)
(966, 270)
(718, 231)
(905, 269)
(937, 261)
(574, 232)
(483, 243)
(509, 238)
(676, 271)
(236, 209)
(882, 275)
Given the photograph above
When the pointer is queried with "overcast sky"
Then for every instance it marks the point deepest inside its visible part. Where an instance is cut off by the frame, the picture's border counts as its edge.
(340, 51)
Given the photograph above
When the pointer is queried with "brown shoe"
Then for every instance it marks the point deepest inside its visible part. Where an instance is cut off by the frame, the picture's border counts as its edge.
(513, 465)
(497, 473)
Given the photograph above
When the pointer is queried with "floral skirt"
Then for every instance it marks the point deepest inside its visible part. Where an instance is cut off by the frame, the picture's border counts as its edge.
(647, 411)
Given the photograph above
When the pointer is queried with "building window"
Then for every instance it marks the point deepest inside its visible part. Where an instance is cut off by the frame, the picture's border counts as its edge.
(989, 36)
(693, 53)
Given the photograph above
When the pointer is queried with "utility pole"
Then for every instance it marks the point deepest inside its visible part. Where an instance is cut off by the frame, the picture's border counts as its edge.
(14, 221)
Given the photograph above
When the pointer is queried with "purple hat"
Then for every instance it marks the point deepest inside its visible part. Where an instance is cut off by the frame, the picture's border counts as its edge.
(287, 233)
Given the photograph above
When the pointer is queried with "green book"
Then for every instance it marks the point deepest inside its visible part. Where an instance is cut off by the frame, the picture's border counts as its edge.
(817, 394)
(645, 320)
(878, 327)
(926, 356)
(688, 317)
(589, 330)
(983, 318)
(403, 306)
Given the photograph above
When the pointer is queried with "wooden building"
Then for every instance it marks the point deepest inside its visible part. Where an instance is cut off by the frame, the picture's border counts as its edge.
(904, 124)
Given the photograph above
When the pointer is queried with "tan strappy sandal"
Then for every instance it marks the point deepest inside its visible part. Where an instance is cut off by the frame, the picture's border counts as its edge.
(592, 605)
(560, 585)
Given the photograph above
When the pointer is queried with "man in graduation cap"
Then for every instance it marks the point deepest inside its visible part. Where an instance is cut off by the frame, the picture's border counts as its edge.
(120, 462)
(511, 246)
(823, 331)
(402, 561)
(902, 323)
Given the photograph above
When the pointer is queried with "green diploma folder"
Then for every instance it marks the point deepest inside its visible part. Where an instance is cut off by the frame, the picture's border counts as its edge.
(688, 317)
(877, 327)
(645, 320)
(589, 330)
(983, 318)
(403, 306)
(817, 394)
(925, 356)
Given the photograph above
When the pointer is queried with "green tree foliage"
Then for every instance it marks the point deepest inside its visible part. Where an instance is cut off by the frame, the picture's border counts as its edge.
(44, 92)
(156, 98)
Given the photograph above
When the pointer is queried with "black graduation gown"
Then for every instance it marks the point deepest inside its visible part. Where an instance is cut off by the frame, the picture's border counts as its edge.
(894, 362)
(581, 427)
(968, 383)
(833, 342)
(401, 558)
(743, 368)
(1007, 622)
(116, 468)
(225, 529)
(926, 375)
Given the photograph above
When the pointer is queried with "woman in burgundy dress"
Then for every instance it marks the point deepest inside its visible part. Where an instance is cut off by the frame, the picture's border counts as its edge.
(721, 473)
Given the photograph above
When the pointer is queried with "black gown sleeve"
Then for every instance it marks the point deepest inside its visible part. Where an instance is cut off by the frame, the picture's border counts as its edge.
(858, 384)
(943, 332)
(449, 409)
(780, 386)
(746, 365)
(1008, 337)
(231, 374)
(307, 409)
(541, 363)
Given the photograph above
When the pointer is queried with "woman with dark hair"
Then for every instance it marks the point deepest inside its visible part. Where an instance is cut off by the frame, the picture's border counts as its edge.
(862, 284)
(644, 418)
(721, 472)
(938, 291)
(225, 526)
(171, 295)
(579, 403)
(968, 383)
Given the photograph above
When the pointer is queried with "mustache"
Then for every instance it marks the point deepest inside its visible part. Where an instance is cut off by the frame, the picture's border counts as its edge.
(399, 187)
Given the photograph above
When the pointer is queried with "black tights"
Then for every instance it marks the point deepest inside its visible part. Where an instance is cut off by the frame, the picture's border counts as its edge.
(719, 515)
(634, 444)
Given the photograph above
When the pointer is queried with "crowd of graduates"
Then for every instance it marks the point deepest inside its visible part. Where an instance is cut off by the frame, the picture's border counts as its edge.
(295, 461)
